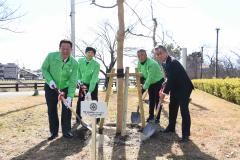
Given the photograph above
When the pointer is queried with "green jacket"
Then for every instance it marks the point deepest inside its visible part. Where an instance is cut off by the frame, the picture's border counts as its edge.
(150, 71)
(88, 73)
(63, 74)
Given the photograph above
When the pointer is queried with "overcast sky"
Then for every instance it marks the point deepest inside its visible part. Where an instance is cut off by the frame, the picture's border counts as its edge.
(191, 23)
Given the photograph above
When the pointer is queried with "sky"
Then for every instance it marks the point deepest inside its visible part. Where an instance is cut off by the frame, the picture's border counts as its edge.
(191, 23)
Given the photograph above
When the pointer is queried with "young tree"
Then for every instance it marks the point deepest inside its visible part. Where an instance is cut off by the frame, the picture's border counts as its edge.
(120, 45)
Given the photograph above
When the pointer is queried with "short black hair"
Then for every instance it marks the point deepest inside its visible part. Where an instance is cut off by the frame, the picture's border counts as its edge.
(142, 51)
(65, 41)
(162, 48)
(90, 49)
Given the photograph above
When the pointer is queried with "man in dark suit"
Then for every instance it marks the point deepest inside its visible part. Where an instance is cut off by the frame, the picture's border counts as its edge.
(180, 87)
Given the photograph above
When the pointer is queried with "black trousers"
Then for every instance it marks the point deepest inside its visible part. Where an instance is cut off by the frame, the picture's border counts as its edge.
(175, 103)
(52, 101)
(94, 96)
(153, 92)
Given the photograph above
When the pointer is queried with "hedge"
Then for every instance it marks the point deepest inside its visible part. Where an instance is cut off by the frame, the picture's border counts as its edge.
(228, 89)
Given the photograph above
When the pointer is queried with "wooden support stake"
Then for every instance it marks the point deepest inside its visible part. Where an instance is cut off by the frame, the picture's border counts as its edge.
(123, 133)
(120, 83)
(140, 102)
(108, 93)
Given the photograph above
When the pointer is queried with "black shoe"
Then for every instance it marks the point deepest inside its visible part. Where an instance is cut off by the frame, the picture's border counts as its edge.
(97, 120)
(68, 135)
(77, 120)
(184, 140)
(52, 137)
(150, 119)
(157, 120)
(146, 101)
(168, 130)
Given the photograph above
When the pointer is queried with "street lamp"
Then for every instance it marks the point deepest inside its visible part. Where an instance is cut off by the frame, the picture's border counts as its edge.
(216, 65)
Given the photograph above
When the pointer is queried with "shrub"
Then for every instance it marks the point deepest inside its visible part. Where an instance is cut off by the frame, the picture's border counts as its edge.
(228, 89)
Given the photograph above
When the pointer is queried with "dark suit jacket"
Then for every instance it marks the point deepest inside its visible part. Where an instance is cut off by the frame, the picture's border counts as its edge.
(178, 83)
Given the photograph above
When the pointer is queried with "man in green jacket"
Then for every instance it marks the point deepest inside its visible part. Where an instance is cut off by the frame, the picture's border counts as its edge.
(88, 71)
(152, 79)
(60, 72)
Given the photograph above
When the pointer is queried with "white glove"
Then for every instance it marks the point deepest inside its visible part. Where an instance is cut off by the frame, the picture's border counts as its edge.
(52, 84)
(68, 102)
(88, 96)
(79, 83)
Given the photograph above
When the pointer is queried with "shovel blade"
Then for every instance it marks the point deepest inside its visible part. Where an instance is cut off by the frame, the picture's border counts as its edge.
(150, 129)
(85, 125)
(135, 117)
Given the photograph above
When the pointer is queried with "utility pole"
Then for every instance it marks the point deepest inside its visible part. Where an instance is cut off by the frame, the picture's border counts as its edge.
(72, 15)
(201, 62)
(216, 65)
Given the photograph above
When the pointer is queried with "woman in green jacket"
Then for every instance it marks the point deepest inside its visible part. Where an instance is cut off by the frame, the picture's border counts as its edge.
(88, 71)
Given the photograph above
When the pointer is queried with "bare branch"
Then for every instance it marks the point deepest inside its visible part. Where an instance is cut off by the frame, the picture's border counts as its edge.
(102, 60)
(139, 35)
(155, 24)
(6, 13)
(94, 3)
(8, 29)
(103, 73)
(140, 20)
(236, 54)
(7, 16)
(83, 53)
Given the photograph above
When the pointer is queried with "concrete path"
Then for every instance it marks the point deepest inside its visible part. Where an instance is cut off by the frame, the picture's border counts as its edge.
(17, 94)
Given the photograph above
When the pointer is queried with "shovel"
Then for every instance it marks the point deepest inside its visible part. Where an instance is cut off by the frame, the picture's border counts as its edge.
(85, 125)
(151, 126)
(135, 116)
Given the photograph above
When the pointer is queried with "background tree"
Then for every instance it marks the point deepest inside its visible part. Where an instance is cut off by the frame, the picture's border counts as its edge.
(106, 45)
(153, 32)
(8, 16)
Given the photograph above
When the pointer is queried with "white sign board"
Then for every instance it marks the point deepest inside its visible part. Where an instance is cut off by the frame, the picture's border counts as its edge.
(94, 109)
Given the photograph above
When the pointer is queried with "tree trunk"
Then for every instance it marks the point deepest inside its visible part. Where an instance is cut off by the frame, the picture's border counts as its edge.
(120, 42)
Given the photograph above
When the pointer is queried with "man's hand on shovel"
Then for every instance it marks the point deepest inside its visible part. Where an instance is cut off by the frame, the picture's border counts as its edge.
(68, 102)
(162, 97)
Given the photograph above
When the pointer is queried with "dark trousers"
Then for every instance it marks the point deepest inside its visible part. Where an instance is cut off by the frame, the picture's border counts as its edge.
(52, 101)
(175, 103)
(153, 92)
(94, 96)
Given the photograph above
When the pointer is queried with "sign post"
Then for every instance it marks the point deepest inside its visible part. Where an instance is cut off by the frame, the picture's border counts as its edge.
(94, 110)
(93, 146)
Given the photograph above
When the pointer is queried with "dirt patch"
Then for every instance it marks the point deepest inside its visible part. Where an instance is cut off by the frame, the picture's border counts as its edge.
(215, 133)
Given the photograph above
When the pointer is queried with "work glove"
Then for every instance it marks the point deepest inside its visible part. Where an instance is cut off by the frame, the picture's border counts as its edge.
(52, 84)
(88, 96)
(68, 102)
(79, 83)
